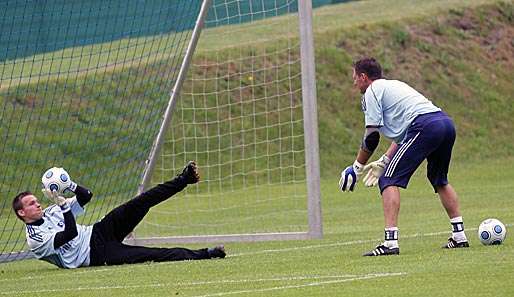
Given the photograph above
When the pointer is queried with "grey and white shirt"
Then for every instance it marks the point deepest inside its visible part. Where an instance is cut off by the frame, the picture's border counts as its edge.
(392, 105)
(40, 238)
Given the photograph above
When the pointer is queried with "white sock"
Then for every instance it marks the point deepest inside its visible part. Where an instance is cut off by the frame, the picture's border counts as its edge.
(458, 229)
(391, 237)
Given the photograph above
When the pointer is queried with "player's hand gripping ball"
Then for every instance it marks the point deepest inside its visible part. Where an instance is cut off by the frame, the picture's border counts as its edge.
(58, 180)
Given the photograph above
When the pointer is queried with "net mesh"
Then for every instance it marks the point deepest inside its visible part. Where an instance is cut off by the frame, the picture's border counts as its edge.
(240, 117)
(83, 85)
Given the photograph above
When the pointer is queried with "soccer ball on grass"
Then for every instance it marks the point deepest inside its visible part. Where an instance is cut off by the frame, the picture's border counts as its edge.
(57, 179)
(491, 232)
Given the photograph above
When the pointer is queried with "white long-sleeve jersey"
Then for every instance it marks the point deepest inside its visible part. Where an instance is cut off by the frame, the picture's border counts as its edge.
(40, 238)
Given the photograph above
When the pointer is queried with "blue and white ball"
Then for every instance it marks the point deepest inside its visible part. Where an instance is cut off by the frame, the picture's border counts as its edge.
(57, 179)
(491, 232)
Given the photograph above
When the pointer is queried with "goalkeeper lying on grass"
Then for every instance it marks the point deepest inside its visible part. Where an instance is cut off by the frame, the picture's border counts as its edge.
(419, 130)
(55, 237)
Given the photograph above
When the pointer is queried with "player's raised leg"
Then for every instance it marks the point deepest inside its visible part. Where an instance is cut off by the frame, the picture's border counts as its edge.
(122, 220)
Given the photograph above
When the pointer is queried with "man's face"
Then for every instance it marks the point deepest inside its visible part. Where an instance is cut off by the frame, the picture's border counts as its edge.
(31, 210)
(361, 81)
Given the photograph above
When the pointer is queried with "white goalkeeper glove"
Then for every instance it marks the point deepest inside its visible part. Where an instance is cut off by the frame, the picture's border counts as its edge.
(375, 171)
(56, 198)
(350, 175)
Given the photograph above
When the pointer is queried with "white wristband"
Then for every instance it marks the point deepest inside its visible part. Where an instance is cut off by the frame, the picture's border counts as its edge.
(385, 159)
(65, 207)
(358, 167)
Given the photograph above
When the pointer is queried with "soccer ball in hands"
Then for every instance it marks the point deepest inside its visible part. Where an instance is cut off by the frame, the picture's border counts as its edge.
(57, 179)
(491, 232)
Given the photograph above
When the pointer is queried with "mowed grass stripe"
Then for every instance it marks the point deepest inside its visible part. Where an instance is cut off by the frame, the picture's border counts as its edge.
(341, 279)
(247, 254)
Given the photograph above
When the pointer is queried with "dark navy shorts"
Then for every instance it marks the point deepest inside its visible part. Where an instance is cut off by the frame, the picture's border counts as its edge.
(430, 136)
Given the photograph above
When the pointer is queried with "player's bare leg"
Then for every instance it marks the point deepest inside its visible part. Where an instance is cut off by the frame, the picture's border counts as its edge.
(450, 202)
(391, 205)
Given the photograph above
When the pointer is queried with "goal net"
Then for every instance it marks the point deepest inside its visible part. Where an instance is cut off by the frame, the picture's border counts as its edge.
(85, 85)
(240, 116)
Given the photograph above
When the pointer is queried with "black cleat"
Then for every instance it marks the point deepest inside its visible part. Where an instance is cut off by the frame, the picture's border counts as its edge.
(382, 250)
(217, 252)
(452, 244)
(190, 173)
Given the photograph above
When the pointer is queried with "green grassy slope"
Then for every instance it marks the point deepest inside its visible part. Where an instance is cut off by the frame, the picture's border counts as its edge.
(458, 56)
(457, 53)
(461, 59)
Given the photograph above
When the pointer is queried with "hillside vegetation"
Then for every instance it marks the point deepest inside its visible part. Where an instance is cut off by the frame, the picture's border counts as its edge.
(460, 54)
(462, 59)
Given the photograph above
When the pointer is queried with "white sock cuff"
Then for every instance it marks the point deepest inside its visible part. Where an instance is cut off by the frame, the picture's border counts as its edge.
(456, 220)
(391, 234)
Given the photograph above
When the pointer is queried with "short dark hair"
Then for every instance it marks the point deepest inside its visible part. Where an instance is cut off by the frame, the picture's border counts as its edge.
(368, 66)
(17, 204)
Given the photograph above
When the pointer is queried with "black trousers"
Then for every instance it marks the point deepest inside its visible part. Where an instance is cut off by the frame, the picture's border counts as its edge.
(107, 235)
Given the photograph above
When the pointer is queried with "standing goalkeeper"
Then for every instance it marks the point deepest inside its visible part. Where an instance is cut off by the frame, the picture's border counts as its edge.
(55, 237)
(419, 130)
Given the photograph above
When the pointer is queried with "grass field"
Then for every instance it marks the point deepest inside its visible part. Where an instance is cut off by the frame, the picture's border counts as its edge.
(332, 266)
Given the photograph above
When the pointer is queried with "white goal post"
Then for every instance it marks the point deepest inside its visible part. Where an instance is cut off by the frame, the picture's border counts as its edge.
(167, 231)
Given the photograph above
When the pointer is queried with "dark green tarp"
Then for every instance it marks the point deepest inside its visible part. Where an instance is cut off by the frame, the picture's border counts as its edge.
(29, 27)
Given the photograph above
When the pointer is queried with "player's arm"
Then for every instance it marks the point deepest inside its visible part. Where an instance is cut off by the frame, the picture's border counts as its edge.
(350, 174)
(369, 143)
(70, 229)
(391, 150)
(83, 195)
(373, 118)
(70, 226)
